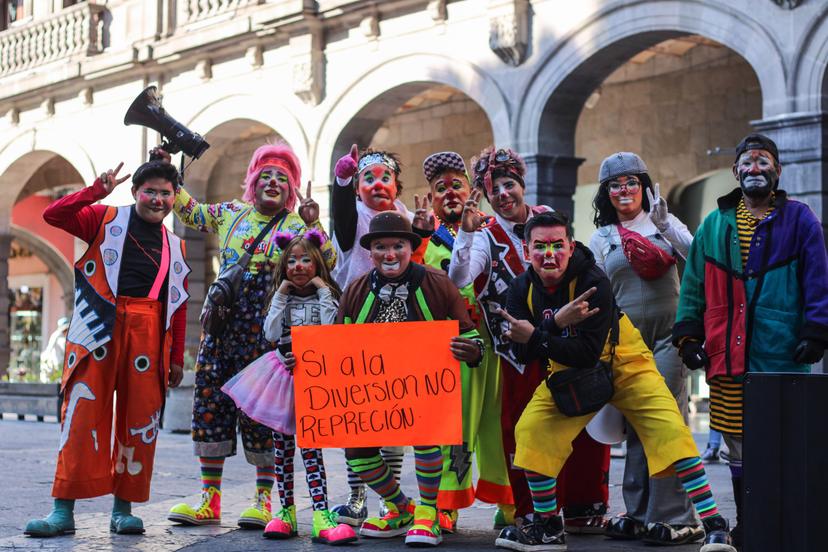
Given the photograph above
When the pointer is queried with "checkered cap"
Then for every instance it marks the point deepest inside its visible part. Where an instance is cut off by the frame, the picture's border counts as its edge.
(438, 162)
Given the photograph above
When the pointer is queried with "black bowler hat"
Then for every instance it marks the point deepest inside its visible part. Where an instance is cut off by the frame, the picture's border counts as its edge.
(390, 224)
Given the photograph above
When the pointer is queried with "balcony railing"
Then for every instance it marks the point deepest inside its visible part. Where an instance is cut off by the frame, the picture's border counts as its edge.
(196, 10)
(74, 31)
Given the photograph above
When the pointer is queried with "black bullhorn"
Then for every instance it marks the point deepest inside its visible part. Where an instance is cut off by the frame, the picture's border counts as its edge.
(147, 111)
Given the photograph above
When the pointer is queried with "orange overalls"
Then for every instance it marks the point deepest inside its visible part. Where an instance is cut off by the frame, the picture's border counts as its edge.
(115, 346)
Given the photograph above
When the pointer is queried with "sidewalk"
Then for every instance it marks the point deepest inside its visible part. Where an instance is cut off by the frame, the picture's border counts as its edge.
(27, 463)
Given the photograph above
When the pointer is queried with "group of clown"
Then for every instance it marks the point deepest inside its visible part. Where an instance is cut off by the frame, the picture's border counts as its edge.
(531, 302)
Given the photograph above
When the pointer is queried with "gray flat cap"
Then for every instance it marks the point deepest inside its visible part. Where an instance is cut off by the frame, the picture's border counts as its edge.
(622, 163)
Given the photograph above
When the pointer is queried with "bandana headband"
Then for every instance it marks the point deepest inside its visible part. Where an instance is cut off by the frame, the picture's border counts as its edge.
(377, 158)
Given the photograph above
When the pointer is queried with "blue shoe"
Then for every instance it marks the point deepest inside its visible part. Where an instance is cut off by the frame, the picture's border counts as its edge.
(61, 521)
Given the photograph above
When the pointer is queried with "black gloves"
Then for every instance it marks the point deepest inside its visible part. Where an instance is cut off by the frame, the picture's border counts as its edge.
(693, 355)
(809, 351)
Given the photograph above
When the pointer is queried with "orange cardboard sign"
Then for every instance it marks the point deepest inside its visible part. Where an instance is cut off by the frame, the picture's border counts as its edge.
(377, 385)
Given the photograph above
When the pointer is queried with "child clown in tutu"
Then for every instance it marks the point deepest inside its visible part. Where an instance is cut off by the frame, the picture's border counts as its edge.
(305, 295)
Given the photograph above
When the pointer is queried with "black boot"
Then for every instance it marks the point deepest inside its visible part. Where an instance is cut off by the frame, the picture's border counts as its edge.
(736, 532)
(717, 538)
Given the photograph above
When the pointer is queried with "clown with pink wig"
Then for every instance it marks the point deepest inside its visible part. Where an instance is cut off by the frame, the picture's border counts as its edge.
(271, 191)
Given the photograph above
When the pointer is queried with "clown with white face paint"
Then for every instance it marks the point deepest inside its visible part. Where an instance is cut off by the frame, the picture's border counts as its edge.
(366, 185)
(754, 294)
(399, 290)
(126, 338)
(629, 204)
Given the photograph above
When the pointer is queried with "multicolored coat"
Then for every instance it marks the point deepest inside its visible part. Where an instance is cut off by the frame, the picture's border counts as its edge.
(752, 317)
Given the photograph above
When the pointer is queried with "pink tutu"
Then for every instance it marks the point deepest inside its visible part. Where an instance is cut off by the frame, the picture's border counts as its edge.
(264, 391)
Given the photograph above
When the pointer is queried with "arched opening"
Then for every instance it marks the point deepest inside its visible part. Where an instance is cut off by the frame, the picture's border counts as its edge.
(682, 104)
(215, 177)
(38, 277)
(415, 120)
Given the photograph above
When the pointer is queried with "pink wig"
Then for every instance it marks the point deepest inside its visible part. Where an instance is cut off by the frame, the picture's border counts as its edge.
(278, 156)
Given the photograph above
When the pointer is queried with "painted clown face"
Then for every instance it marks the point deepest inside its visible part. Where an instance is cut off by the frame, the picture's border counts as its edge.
(300, 267)
(378, 187)
(449, 192)
(507, 199)
(757, 173)
(154, 199)
(626, 195)
(272, 191)
(391, 256)
(549, 251)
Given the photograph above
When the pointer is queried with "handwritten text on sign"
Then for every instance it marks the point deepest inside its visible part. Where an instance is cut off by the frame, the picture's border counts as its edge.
(372, 385)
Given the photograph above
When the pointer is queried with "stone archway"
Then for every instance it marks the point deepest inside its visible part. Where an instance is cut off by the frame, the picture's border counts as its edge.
(573, 66)
(32, 172)
(356, 115)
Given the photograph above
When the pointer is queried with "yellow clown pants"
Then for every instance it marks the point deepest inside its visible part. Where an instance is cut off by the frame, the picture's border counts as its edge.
(544, 436)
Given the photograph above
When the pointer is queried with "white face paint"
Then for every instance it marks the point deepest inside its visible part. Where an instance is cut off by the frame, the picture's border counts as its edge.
(389, 267)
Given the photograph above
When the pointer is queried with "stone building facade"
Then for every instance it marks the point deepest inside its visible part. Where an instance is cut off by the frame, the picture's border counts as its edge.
(564, 83)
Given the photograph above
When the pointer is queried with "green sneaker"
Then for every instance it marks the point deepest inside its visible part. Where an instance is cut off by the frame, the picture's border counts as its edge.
(283, 524)
(208, 512)
(392, 524)
(327, 530)
(60, 521)
(258, 515)
(426, 528)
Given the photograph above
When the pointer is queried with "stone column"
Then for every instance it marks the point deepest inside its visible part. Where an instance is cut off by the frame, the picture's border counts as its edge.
(551, 180)
(802, 139)
(5, 315)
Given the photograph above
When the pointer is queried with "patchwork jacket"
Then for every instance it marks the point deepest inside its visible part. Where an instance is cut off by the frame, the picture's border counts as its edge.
(752, 317)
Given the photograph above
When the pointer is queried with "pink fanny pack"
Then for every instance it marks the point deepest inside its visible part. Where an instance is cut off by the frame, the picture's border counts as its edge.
(648, 260)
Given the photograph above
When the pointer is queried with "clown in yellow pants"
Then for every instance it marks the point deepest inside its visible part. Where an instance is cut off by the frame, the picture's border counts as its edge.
(544, 435)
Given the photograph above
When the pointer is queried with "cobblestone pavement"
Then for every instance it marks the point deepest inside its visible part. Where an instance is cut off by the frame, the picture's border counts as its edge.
(27, 461)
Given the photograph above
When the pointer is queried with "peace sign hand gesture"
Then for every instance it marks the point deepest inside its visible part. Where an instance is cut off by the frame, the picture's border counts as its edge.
(658, 208)
(576, 311)
(423, 218)
(308, 208)
(110, 179)
(471, 218)
(520, 331)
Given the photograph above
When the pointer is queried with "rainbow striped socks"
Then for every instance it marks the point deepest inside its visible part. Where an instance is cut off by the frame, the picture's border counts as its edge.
(544, 493)
(265, 476)
(377, 475)
(690, 472)
(211, 469)
(428, 463)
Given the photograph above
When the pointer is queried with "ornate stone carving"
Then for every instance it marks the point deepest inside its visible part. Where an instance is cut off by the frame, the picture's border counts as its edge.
(85, 96)
(48, 107)
(370, 26)
(195, 10)
(308, 65)
(255, 56)
(437, 10)
(509, 30)
(204, 69)
(13, 116)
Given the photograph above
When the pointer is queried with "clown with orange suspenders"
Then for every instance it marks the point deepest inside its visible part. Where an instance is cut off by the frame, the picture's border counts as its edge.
(126, 336)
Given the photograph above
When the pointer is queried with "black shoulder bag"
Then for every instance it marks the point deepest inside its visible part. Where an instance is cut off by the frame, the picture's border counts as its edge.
(221, 295)
(580, 391)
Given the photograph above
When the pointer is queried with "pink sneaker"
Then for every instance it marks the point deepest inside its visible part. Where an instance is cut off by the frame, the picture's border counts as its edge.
(283, 524)
(326, 530)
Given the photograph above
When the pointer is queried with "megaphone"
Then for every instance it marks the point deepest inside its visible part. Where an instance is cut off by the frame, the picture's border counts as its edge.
(147, 111)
